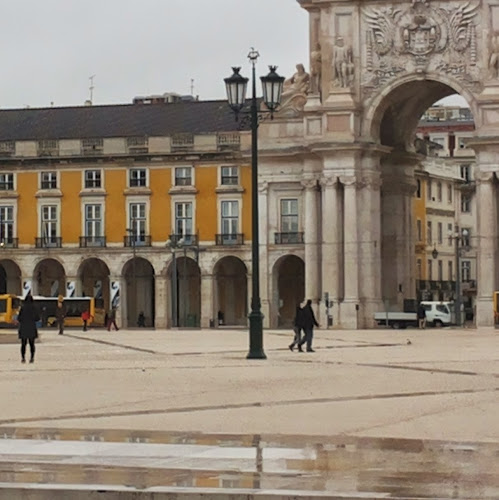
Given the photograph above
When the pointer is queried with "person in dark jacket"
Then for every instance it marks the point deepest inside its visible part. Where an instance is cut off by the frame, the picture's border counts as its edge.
(421, 316)
(297, 327)
(28, 317)
(308, 322)
(60, 314)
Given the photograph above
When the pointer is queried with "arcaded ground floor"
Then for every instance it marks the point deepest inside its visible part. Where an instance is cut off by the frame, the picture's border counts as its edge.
(371, 414)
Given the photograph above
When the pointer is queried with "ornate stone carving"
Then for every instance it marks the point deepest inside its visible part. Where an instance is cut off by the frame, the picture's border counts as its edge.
(349, 181)
(482, 176)
(294, 94)
(263, 187)
(343, 67)
(309, 183)
(494, 56)
(316, 68)
(329, 181)
(423, 37)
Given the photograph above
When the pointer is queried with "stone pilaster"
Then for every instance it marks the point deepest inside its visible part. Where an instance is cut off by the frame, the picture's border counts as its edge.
(161, 302)
(486, 194)
(370, 248)
(312, 257)
(207, 294)
(265, 283)
(331, 243)
(349, 308)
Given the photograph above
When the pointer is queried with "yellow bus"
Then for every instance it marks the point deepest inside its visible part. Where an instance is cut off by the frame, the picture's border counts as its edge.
(46, 306)
(9, 309)
(74, 306)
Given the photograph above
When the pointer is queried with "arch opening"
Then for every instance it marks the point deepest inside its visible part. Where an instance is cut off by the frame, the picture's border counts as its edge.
(49, 278)
(10, 277)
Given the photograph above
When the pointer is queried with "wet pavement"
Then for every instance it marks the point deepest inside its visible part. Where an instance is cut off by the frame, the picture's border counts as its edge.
(368, 415)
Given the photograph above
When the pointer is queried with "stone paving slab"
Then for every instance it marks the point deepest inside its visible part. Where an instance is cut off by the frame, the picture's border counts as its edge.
(439, 386)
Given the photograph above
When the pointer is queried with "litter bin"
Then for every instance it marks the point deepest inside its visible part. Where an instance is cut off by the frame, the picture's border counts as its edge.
(212, 323)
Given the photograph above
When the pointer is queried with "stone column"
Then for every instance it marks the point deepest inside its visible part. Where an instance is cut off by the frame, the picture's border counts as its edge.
(265, 284)
(349, 309)
(486, 195)
(161, 302)
(312, 257)
(331, 242)
(207, 292)
(370, 248)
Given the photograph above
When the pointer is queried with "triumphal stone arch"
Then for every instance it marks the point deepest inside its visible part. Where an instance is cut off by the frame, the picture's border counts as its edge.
(345, 135)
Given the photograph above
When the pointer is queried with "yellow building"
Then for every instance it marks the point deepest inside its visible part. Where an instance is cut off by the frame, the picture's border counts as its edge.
(146, 207)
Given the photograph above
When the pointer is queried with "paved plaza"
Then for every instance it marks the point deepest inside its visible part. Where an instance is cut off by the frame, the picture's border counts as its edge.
(171, 414)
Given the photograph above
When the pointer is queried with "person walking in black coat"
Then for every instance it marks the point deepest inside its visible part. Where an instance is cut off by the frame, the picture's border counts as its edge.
(28, 332)
(60, 314)
(297, 327)
(308, 322)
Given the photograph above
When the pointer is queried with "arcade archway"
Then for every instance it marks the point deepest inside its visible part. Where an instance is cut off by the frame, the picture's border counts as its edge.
(231, 286)
(139, 296)
(10, 277)
(289, 285)
(93, 275)
(49, 278)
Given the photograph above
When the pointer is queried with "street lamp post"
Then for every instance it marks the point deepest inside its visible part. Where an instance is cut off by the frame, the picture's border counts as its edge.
(236, 95)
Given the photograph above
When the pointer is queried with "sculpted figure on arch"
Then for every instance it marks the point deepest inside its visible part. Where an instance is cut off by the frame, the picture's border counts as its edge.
(343, 68)
(299, 83)
(494, 56)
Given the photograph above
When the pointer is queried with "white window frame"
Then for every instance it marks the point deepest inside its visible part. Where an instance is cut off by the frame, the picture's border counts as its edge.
(465, 203)
(183, 169)
(465, 270)
(53, 175)
(93, 219)
(281, 215)
(95, 170)
(138, 201)
(184, 233)
(146, 177)
(5, 206)
(237, 176)
(9, 179)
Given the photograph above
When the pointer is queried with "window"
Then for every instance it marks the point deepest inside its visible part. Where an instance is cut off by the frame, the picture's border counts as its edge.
(466, 172)
(93, 221)
(92, 146)
(6, 224)
(430, 270)
(419, 230)
(6, 182)
(449, 233)
(442, 308)
(465, 203)
(230, 176)
(49, 180)
(461, 142)
(289, 216)
(440, 270)
(440, 233)
(137, 144)
(230, 220)
(419, 267)
(439, 191)
(183, 219)
(138, 177)
(449, 270)
(429, 238)
(137, 223)
(92, 179)
(183, 176)
(465, 270)
(48, 147)
(418, 188)
(49, 224)
(429, 191)
(449, 193)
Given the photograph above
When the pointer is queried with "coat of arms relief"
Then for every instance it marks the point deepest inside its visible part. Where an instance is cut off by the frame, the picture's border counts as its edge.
(421, 37)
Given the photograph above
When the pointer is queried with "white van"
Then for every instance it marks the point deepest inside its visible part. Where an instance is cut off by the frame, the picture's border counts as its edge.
(438, 313)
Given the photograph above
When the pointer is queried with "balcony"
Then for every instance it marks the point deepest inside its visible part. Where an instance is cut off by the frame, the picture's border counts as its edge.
(422, 285)
(189, 240)
(48, 242)
(229, 239)
(288, 238)
(92, 241)
(9, 242)
(139, 240)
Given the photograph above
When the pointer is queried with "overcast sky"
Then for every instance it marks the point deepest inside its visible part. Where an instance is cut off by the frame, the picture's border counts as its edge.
(50, 48)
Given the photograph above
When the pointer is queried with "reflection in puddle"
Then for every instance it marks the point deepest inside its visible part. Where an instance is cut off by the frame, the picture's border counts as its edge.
(350, 466)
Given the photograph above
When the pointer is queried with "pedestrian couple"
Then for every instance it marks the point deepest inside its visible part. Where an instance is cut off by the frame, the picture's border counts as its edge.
(304, 320)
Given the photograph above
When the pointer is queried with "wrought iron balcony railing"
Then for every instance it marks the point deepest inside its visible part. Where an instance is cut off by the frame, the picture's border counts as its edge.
(288, 238)
(229, 239)
(9, 242)
(92, 241)
(48, 242)
(139, 240)
(188, 240)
